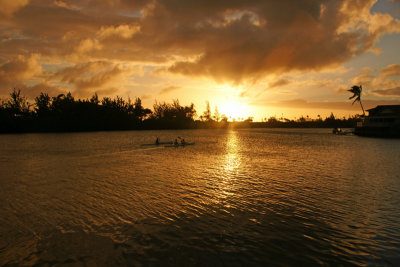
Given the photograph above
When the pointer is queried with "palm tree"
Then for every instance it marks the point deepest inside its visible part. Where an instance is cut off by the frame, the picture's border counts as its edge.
(356, 90)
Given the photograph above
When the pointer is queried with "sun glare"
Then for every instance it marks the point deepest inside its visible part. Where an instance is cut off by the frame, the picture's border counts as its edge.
(234, 110)
(231, 104)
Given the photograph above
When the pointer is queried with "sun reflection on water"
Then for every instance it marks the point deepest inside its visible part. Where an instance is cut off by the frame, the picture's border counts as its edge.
(230, 167)
(232, 158)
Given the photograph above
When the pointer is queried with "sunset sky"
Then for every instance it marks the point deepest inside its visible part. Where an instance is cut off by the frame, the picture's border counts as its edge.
(249, 58)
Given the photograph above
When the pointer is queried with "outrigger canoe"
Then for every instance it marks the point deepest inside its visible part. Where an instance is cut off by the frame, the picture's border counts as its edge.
(157, 144)
(180, 144)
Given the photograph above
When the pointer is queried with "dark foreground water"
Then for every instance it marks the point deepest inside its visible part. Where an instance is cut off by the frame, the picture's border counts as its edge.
(235, 198)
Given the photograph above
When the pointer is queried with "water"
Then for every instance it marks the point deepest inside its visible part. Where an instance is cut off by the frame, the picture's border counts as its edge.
(235, 198)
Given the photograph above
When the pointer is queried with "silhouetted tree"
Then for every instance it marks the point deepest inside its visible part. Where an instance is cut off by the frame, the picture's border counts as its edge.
(139, 111)
(17, 104)
(64, 113)
(62, 103)
(172, 115)
(224, 118)
(217, 115)
(356, 90)
(207, 113)
(95, 99)
(42, 103)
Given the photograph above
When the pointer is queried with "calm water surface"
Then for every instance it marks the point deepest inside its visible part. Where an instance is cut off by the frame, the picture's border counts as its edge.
(235, 198)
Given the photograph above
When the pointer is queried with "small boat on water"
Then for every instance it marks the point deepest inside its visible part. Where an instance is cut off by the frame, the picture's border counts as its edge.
(157, 144)
(180, 144)
(340, 131)
(337, 131)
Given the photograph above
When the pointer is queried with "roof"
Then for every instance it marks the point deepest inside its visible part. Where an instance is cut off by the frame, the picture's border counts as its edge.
(385, 109)
(391, 107)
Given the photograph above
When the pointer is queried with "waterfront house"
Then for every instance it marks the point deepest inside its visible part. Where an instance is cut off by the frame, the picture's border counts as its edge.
(382, 121)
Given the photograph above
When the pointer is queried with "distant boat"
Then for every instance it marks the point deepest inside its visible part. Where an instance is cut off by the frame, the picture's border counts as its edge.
(159, 143)
(340, 131)
(382, 121)
(180, 144)
(337, 131)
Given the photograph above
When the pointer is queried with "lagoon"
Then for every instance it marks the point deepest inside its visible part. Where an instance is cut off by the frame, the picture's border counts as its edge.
(247, 197)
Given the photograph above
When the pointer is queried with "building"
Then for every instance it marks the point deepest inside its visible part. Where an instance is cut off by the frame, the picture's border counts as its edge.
(382, 121)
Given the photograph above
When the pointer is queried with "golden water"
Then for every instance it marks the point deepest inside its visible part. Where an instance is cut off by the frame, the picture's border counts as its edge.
(236, 197)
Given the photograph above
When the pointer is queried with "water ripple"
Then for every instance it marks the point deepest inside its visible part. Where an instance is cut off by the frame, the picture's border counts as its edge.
(246, 197)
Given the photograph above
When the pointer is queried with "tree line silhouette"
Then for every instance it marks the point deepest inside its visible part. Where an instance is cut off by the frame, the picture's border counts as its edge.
(64, 113)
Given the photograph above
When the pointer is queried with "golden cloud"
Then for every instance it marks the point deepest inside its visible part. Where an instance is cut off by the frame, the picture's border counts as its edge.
(63, 4)
(386, 78)
(331, 105)
(169, 89)
(90, 75)
(88, 45)
(123, 31)
(17, 69)
(390, 71)
(301, 36)
(279, 83)
(365, 77)
(388, 92)
(8, 7)
(43, 87)
(103, 77)
(229, 41)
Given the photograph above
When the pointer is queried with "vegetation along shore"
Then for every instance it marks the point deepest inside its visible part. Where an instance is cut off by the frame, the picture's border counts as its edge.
(64, 113)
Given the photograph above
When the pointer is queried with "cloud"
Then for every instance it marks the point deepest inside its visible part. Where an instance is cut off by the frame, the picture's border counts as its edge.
(229, 41)
(146, 96)
(32, 91)
(88, 45)
(388, 92)
(388, 78)
(279, 83)
(331, 105)
(307, 35)
(63, 4)
(17, 69)
(390, 71)
(378, 80)
(98, 76)
(10, 7)
(169, 89)
(123, 31)
(342, 90)
(43, 87)
(365, 77)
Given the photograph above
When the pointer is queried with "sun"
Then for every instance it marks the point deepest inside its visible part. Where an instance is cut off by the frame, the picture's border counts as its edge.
(234, 110)
(231, 104)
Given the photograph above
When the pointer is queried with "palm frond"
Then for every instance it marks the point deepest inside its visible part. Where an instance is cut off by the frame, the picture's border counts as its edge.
(356, 90)
(357, 99)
